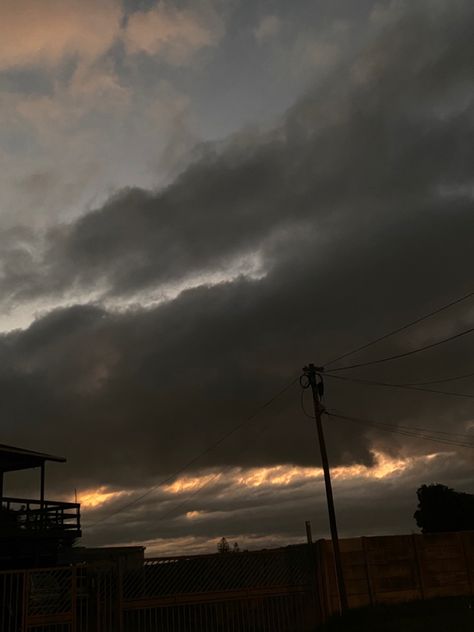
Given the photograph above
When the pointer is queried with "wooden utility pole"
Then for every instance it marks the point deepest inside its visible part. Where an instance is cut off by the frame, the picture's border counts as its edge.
(311, 373)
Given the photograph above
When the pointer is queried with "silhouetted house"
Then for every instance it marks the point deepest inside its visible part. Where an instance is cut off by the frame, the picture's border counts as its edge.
(33, 532)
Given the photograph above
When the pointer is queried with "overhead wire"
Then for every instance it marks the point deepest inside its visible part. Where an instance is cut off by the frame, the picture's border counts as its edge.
(188, 499)
(407, 387)
(402, 430)
(452, 378)
(405, 354)
(411, 428)
(402, 328)
(454, 435)
(196, 458)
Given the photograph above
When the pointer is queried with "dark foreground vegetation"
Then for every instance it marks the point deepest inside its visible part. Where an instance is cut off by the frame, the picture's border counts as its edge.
(436, 615)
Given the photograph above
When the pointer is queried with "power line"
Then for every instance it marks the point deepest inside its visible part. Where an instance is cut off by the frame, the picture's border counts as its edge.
(402, 430)
(406, 353)
(441, 380)
(402, 328)
(192, 461)
(198, 491)
(402, 386)
(410, 428)
(189, 498)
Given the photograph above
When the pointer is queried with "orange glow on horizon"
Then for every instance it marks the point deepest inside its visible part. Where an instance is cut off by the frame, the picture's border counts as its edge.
(282, 475)
(273, 476)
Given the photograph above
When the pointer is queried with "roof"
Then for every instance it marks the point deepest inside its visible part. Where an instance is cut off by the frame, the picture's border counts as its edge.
(12, 458)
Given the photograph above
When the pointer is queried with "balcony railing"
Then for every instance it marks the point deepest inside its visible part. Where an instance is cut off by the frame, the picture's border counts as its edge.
(23, 516)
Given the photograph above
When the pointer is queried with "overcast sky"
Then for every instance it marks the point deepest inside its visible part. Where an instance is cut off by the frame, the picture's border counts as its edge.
(197, 199)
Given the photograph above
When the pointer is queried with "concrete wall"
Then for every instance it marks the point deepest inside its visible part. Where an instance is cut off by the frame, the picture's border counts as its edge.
(394, 569)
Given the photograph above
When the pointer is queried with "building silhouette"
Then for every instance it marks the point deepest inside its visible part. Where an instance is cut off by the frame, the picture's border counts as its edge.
(34, 531)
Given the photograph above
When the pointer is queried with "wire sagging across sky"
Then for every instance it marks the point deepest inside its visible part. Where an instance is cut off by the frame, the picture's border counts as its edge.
(398, 330)
(405, 354)
(418, 433)
(199, 456)
(406, 387)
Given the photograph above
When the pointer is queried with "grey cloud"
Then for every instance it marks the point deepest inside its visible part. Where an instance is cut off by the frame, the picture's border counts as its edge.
(359, 205)
(143, 391)
(381, 137)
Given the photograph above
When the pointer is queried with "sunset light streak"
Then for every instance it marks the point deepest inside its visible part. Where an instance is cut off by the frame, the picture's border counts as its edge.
(277, 476)
(95, 498)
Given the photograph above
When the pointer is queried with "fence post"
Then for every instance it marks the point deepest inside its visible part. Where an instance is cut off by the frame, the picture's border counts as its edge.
(73, 599)
(461, 537)
(316, 582)
(120, 595)
(93, 599)
(418, 565)
(368, 572)
(24, 609)
(324, 578)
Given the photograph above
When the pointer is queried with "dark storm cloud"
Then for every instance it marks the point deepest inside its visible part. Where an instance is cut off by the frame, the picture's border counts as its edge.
(360, 206)
(386, 134)
(142, 392)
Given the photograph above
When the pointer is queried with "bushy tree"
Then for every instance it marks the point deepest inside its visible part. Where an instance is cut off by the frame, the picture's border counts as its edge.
(441, 509)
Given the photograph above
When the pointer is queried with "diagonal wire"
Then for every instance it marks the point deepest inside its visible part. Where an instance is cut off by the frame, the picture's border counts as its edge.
(441, 380)
(199, 456)
(402, 328)
(465, 332)
(211, 479)
(450, 435)
(406, 387)
(402, 430)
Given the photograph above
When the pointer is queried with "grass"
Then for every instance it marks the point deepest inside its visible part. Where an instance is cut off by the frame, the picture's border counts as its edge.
(453, 614)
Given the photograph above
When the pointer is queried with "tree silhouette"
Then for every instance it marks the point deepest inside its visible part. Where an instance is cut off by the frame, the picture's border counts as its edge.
(441, 509)
(223, 546)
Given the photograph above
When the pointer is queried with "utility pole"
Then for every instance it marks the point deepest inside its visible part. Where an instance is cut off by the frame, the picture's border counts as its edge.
(311, 373)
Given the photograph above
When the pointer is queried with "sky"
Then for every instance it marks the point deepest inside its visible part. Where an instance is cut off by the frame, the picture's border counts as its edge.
(196, 200)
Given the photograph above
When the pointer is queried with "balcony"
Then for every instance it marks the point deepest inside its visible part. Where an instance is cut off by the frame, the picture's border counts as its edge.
(23, 517)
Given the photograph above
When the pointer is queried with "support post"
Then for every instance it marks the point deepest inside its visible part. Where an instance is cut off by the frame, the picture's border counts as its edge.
(311, 372)
(42, 516)
(42, 485)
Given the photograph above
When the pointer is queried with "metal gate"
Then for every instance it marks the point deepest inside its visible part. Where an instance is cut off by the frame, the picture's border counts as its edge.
(243, 612)
(266, 591)
(66, 599)
(261, 591)
(40, 600)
